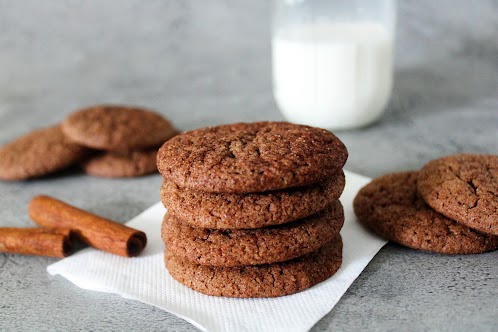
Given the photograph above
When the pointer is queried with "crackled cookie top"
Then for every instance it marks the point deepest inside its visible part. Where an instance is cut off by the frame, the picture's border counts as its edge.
(267, 280)
(391, 207)
(117, 128)
(254, 210)
(251, 157)
(39, 153)
(463, 187)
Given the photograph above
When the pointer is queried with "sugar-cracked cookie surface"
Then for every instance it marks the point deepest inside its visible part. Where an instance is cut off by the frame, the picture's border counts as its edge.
(268, 280)
(251, 157)
(41, 152)
(392, 208)
(254, 210)
(238, 247)
(117, 128)
(463, 187)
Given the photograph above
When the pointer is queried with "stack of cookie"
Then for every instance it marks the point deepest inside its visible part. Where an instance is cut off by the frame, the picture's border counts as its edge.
(450, 206)
(107, 140)
(253, 208)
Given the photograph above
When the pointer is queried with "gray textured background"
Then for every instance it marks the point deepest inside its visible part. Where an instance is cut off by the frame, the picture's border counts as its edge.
(208, 62)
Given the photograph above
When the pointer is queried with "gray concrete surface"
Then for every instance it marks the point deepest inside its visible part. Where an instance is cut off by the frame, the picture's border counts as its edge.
(208, 62)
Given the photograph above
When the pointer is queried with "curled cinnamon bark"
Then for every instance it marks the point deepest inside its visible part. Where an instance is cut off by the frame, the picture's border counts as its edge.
(51, 242)
(96, 231)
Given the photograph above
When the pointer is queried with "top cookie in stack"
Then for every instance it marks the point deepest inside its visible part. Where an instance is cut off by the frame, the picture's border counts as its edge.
(253, 208)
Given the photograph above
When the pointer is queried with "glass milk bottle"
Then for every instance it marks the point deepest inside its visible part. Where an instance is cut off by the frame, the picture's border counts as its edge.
(333, 60)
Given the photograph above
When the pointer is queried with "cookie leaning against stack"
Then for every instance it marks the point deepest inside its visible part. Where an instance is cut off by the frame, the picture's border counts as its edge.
(450, 206)
(253, 208)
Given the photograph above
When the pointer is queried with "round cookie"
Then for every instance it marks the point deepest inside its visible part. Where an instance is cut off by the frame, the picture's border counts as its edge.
(117, 128)
(391, 207)
(251, 157)
(269, 280)
(463, 187)
(114, 165)
(228, 248)
(39, 153)
(236, 211)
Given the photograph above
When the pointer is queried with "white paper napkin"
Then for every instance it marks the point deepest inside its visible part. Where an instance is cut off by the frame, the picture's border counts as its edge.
(145, 279)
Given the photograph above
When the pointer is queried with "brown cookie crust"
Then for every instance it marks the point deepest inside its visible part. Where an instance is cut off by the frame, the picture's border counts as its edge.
(39, 153)
(251, 157)
(463, 187)
(117, 128)
(118, 165)
(269, 280)
(228, 248)
(236, 211)
(391, 207)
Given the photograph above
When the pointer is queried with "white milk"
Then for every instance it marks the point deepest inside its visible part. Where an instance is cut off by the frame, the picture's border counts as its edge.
(333, 75)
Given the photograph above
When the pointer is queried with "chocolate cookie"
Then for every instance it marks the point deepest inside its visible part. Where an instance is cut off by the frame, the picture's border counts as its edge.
(251, 157)
(235, 211)
(127, 164)
(39, 153)
(391, 207)
(218, 247)
(269, 280)
(117, 128)
(463, 187)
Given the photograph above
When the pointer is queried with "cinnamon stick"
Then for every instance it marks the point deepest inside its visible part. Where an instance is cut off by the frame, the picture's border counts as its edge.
(36, 241)
(96, 231)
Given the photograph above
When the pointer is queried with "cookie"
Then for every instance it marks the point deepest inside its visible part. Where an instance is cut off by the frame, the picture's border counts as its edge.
(114, 165)
(39, 153)
(117, 128)
(218, 247)
(235, 211)
(251, 157)
(269, 280)
(390, 206)
(463, 187)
